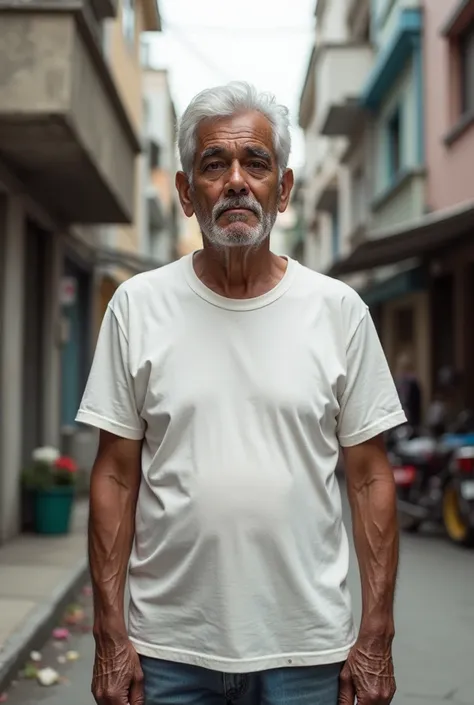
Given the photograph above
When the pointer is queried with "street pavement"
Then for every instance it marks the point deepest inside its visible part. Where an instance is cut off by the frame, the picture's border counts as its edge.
(434, 646)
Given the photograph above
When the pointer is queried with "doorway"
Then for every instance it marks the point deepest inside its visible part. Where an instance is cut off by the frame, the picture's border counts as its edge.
(36, 251)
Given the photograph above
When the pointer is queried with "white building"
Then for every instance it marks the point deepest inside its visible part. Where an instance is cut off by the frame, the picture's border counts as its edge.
(163, 218)
(335, 199)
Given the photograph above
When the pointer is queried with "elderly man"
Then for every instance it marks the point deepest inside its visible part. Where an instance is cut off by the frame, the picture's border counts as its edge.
(224, 385)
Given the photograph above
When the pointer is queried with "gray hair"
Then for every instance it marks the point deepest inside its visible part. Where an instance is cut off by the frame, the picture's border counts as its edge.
(225, 101)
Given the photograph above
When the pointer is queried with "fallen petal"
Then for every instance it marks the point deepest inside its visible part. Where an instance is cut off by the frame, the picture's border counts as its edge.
(62, 659)
(48, 677)
(87, 591)
(72, 656)
(36, 656)
(3, 698)
(61, 634)
(74, 617)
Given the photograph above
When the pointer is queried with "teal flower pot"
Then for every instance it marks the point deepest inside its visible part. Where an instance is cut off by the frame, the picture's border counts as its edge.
(53, 509)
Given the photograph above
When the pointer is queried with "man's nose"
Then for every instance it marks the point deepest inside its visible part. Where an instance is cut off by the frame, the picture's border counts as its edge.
(236, 184)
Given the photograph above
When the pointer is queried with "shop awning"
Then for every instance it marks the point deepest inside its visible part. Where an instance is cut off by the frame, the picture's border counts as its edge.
(401, 284)
(127, 260)
(417, 239)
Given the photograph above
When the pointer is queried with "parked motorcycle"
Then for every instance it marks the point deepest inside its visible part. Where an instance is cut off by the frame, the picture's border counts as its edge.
(434, 476)
(458, 497)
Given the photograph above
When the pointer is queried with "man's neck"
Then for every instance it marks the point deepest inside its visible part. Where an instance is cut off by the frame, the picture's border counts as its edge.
(239, 272)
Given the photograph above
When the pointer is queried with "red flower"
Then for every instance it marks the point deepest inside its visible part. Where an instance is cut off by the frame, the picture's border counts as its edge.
(65, 463)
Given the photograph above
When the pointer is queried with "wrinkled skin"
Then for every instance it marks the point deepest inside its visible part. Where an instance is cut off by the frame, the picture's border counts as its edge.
(368, 675)
(117, 676)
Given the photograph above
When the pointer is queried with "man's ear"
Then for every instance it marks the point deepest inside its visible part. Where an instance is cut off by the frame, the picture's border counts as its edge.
(286, 187)
(184, 187)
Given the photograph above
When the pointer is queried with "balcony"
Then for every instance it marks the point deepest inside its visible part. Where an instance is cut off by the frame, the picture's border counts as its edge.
(342, 71)
(63, 128)
(401, 202)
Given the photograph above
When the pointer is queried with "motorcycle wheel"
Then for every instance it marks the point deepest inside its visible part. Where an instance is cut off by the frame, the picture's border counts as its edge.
(457, 529)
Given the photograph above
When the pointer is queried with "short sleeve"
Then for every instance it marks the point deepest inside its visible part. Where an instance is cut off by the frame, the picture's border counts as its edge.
(369, 403)
(109, 400)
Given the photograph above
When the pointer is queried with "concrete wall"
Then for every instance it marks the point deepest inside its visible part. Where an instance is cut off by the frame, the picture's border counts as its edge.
(12, 232)
(404, 203)
(450, 168)
(51, 73)
(341, 72)
(95, 120)
(332, 22)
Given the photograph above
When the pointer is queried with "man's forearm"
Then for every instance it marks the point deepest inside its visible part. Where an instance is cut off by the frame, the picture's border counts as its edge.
(111, 533)
(375, 526)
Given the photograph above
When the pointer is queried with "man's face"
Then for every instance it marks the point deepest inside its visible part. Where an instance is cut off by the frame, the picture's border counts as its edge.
(236, 191)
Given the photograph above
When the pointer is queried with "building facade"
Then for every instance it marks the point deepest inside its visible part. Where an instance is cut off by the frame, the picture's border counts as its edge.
(405, 190)
(69, 143)
(449, 131)
(370, 100)
(163, 214)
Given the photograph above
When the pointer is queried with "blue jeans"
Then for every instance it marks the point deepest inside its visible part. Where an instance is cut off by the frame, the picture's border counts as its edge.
(169, 683)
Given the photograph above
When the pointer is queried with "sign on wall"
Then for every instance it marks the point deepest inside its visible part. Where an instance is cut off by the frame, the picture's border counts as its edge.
(68, 291)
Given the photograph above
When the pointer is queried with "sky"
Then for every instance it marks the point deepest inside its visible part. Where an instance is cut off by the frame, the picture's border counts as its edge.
(210, 42)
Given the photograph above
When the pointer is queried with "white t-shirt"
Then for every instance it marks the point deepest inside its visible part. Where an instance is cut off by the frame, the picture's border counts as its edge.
(240, 558)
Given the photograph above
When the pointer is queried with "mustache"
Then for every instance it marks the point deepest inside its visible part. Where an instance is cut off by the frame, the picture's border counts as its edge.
(246, 202)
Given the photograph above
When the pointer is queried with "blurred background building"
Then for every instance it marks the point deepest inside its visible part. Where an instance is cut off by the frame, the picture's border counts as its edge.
(384, 200)
(387, 110)
(85, 202)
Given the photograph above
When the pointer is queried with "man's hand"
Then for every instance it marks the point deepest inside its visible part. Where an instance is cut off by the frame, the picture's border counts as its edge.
(368, 675)
(118, 676)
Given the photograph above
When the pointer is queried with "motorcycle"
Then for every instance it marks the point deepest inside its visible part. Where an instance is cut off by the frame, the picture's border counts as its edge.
(434, 477)
(458, 497)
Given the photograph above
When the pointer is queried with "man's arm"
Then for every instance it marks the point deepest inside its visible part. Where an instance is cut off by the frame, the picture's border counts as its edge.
(115, 483)
(371, 489)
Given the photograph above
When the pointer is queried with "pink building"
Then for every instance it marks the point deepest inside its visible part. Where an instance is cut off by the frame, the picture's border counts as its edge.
(449, 102)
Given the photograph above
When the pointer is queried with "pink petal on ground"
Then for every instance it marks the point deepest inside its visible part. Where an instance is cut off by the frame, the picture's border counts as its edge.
(61, 634)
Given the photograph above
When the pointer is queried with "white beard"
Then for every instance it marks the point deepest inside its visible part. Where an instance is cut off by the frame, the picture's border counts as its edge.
(237, 233)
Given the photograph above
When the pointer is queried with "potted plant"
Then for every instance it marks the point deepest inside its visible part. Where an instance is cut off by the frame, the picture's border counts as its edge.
(52, 479)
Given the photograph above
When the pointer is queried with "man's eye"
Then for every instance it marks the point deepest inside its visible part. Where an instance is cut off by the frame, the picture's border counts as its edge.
(214, 166)
(257, 165)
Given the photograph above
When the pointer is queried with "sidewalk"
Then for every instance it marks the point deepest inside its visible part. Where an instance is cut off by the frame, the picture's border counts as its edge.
(38, 577)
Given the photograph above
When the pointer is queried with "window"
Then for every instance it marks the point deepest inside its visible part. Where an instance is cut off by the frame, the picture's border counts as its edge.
(466, 50)
(154, 155)
(128, 20)
(359, 198)
(394, 129)
(335, 234)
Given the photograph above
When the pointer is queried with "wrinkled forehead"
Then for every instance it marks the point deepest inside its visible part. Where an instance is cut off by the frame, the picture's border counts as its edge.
(236, 134)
